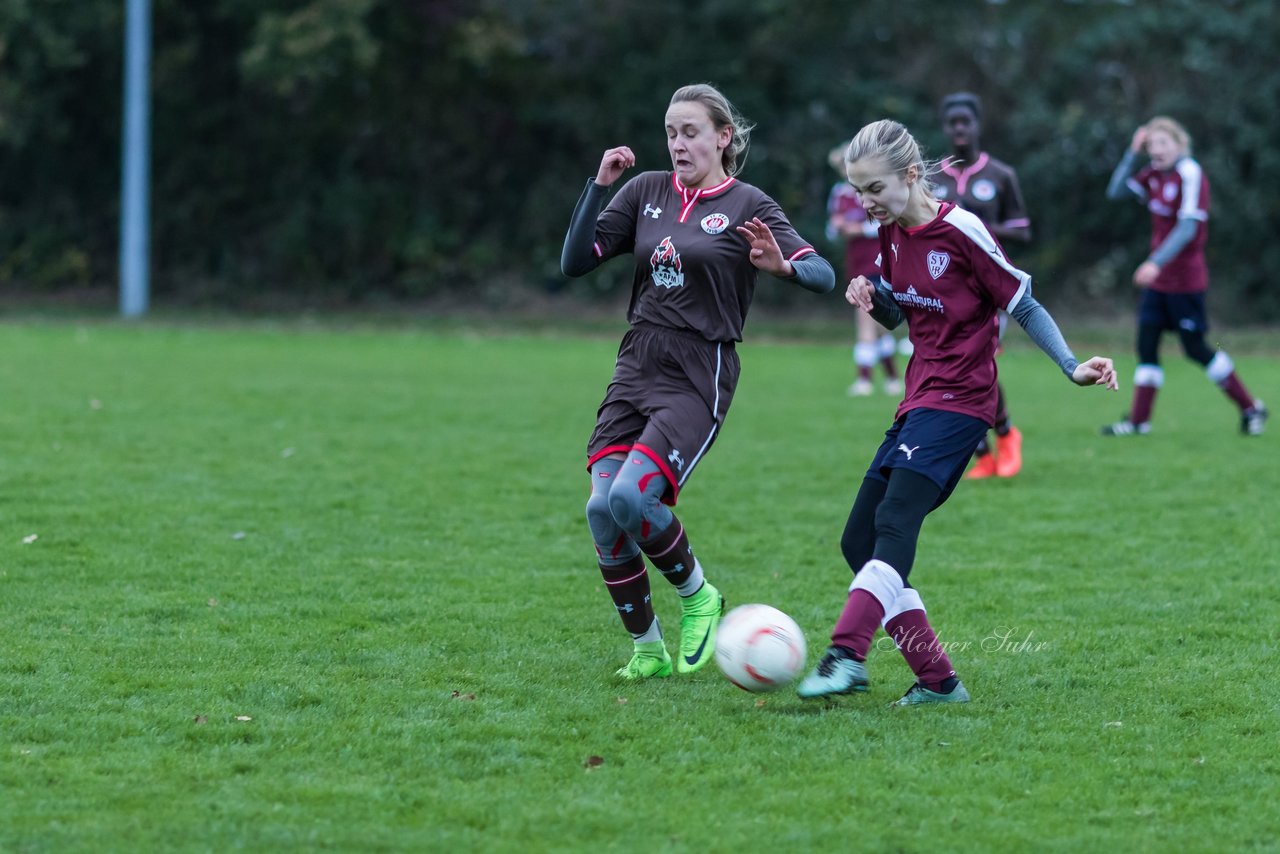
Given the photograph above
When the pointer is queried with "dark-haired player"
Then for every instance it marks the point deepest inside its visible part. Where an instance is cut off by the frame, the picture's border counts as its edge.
(988, 188)
(944, 273)
(1174, 277)
(698, 237)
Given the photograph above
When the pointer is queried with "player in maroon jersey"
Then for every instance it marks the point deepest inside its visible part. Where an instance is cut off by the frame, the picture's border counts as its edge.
(848, 222)
(977, 182)
(1174, 277)
(944, 273)
(698, 237)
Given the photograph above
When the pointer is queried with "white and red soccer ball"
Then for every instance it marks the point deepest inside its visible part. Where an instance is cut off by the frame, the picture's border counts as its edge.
(759, 648)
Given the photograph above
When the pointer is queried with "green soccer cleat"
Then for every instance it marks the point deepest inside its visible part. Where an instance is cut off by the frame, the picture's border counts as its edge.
(917, 695)
(837, 673)
(650, 661)
(698, 625)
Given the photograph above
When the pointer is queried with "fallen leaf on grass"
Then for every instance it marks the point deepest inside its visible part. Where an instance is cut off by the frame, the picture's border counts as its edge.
(622, 701)
(593, 762)
(200, 720)
(1115, 723)
(760, 704)
(30, 538)
(243, 718)
(213, 603)
(458, 695)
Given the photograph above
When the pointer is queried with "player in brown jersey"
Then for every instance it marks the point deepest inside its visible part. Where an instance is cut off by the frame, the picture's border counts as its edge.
(698, 237)
(945, 274)
(1174, 277)
(987, 187)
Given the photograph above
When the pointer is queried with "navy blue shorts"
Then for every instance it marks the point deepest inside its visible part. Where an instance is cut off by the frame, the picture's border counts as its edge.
(931, 442)
(1182, 312)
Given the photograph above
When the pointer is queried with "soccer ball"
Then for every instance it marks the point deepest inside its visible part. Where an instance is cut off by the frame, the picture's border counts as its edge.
(759, 648)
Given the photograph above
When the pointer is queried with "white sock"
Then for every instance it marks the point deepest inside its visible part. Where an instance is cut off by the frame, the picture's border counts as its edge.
(694, 583)
(653, 633)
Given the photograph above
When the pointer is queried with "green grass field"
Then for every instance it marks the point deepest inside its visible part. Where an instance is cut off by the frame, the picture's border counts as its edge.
(287, 588)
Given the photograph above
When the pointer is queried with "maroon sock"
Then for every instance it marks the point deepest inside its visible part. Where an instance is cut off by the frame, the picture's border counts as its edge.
(918, 644)
(628, 584)
(1237, 392)
(890, 366)
(671, 553)
(864, 372)
(1144, 401)
(858, 623)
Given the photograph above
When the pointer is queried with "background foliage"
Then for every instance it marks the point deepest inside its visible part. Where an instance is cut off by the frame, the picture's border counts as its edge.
(414, 148)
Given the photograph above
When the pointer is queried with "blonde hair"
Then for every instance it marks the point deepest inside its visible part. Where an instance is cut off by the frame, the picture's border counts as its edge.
(1174, 128)
(722, 115)
(893, 143)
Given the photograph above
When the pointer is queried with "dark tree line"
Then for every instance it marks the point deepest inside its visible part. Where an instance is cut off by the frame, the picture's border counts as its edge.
(412, 148)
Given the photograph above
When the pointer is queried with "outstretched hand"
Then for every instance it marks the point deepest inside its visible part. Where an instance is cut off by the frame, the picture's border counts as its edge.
(613, 164)
(1097, 370)
(765, 254)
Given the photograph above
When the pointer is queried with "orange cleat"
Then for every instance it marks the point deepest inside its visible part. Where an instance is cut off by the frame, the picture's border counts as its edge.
(984, 467)
(1009, 449)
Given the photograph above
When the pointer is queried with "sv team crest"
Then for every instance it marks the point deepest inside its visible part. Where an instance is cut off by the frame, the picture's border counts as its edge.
(938, 262)
(715, 223)
(665, 265)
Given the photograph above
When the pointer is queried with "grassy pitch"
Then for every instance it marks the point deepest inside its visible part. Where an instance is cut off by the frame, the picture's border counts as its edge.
(293, 589)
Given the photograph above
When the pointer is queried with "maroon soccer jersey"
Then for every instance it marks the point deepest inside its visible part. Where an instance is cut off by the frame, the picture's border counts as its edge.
(1178, 193)
(987, 187)
(949, 276)
(692, 267)
(860, 251)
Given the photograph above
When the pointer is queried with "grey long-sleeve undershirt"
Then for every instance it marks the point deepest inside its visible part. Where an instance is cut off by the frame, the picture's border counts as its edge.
(577, 257)
(1030, 314)
(1119, 182)
(1178, 237)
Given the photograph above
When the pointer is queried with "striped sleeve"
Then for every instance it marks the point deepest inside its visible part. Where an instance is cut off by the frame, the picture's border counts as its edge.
(1192, 180)
(991, 269)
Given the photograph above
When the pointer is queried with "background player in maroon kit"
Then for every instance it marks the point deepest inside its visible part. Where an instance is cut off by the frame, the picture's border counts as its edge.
(1174, 277)
(987, 187)
(849, 223)
(698, 237)
(947, 276)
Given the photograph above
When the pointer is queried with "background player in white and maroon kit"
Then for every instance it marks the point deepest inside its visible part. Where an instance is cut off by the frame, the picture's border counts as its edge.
(848, 222)
(1174, 277)
(698, 237)
(987, 187)
(945, 274)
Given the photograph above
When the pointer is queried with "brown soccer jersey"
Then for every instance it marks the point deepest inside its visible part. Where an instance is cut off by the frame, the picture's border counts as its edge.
(987, 188)
(692, 268)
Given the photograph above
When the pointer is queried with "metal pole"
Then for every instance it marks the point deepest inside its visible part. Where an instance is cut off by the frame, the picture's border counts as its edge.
(135, 215)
